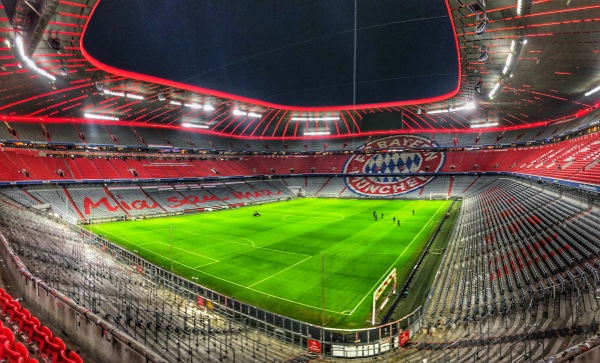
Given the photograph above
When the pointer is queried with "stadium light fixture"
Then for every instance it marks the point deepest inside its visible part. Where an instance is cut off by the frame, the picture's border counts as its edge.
(195, 126)
(176, 103)
(239, 112)
(192, 105)
(483, 55)
(316, 133)
(31, 64)
(134, 96)
(101, 117)
(494, 90)
(592, 91)
(466, 106)
(324, 118)
(519, 7)
(114, 93)
(479, 126)
(208, 107)
(509, 59)
(481, 24)
(478, 85)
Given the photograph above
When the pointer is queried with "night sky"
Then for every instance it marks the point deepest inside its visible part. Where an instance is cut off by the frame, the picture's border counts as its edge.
(288, 52)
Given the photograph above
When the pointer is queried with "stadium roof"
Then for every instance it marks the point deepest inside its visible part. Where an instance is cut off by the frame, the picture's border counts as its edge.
(297, 54)
(542, 61)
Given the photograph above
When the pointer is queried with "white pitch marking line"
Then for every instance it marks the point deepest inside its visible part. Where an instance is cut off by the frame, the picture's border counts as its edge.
(231, 282)
(390, 269)
(143, 244)
(192, 253)
(277, 273)
(243, 244)
(206, 264)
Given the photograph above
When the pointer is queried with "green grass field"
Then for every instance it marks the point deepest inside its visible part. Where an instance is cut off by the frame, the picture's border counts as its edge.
(274, 261)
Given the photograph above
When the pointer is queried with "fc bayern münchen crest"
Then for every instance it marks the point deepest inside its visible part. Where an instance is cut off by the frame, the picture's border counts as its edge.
(387, 167)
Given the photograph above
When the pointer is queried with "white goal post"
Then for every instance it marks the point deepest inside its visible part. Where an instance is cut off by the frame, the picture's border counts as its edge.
(390, 280)
(438, 196)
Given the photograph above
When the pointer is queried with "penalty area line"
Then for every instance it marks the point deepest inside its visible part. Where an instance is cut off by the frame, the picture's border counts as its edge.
(396, 261)
(277, 273)
(228, 281)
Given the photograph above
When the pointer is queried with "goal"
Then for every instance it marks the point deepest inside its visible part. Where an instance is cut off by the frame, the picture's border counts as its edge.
(438, 196)
(381, 296)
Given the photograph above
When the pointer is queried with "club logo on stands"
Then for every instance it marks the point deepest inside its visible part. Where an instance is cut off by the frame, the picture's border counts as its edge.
(388, 165)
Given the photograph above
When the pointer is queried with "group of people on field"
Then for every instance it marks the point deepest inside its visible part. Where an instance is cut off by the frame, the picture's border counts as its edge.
(394, 220)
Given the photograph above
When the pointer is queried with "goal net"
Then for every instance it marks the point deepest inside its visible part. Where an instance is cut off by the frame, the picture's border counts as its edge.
(438, 196)
(382, 294)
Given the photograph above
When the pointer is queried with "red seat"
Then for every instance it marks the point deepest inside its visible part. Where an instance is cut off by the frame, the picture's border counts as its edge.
(12, 309)
(40, 335)
(75, 357)
(65, 359)
(8, 334)
(5, 303)
(28, 327)
(3, 339)
(19, 347)
(53, 349)
(11, 355)
(20, 318)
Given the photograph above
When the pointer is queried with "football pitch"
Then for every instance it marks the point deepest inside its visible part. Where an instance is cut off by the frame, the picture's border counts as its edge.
(280, 260)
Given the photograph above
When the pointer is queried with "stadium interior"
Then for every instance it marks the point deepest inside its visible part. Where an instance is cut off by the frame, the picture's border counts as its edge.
(510, 273)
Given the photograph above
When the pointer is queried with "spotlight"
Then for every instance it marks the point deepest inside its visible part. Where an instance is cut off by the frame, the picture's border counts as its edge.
(54, 40)
(478, 85)
(419, 111)
(481, 24)
(99, 85)
(483, 54)
(161, 97)
(63, 70)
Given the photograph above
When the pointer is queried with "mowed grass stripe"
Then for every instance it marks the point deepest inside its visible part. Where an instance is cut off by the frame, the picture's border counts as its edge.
(274, 261)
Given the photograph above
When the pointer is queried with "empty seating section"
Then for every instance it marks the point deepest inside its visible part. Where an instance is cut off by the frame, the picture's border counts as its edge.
(275, 186)
(108, 170)
(28, 131)
(58, 200)
(95, 134)
(124, 135)
(122, 299)
(87, 167)
(514, 244)
(198, 197)
(177, 139)
(10, 170)
(25, 340)
(169, 198)
(151, 136)
(576, 159)
(135, 201)
(63, 133)
(95, 203)
(19, 195)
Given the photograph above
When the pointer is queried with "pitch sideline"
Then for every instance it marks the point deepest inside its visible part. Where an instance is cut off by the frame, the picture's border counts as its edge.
(396, 261)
